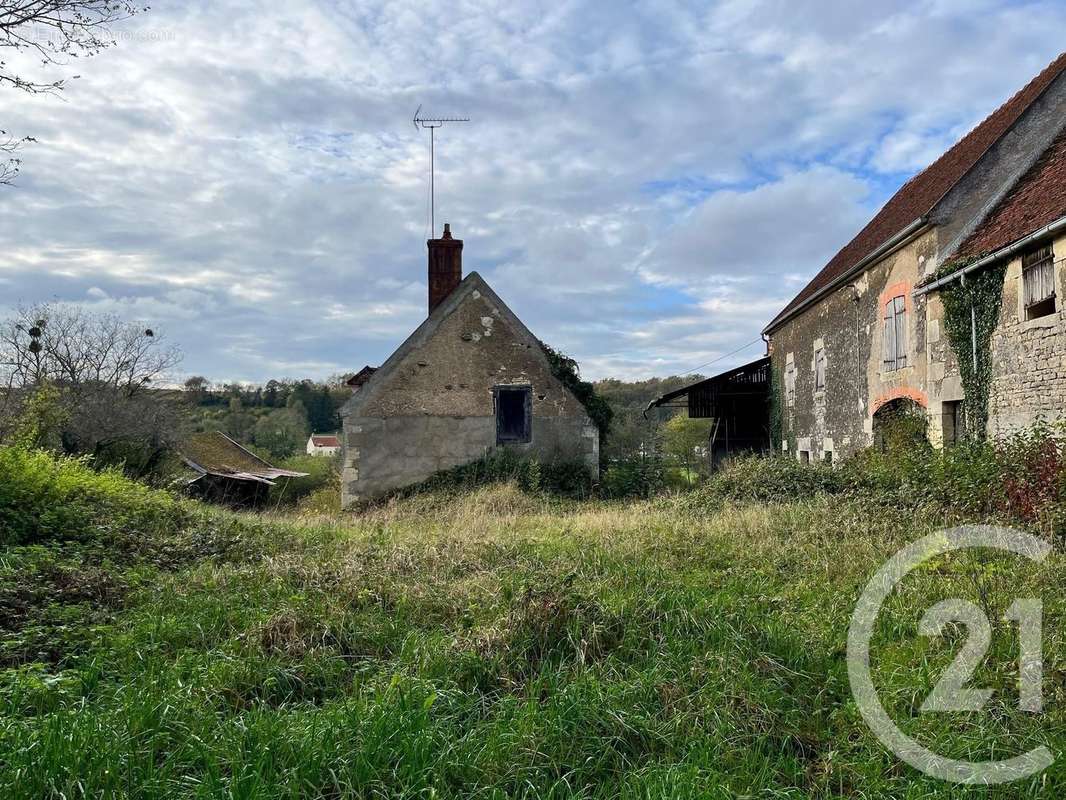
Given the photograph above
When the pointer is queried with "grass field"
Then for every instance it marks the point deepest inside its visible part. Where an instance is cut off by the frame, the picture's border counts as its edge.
(493, 644)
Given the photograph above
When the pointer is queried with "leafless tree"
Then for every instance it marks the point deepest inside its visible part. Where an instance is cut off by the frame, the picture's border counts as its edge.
(106, 370)
(9, 160)
(75, 348)
(54, 32)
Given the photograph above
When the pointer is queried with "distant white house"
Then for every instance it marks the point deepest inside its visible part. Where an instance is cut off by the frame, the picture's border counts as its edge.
(323, 444)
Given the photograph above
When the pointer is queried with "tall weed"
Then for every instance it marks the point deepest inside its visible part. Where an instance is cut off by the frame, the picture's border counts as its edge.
(44, 497)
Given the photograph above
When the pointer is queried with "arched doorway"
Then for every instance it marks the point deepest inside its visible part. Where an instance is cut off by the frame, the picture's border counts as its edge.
(900, 425)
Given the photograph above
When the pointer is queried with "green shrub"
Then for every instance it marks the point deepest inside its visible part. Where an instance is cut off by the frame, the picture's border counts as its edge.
(636, 478)
(324, 500)
(321, 472)
(765, 479)
(43, 497)
(1019, 478)
(565, 478)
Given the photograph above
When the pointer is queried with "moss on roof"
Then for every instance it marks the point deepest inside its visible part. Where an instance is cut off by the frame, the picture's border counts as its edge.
(216, 452)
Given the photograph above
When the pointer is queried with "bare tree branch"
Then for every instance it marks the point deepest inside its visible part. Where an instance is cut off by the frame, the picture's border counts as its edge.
(104, 367)
(53, 31)
(9, 160)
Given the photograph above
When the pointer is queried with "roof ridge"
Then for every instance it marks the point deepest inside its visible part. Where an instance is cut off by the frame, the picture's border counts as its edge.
(923, 191)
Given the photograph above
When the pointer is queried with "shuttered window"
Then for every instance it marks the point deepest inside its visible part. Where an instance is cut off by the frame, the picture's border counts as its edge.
(895, 346)
(1038, 282)
(790, 385)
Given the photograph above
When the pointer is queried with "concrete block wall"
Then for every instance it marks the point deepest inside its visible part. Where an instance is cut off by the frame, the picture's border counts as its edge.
(382, 455)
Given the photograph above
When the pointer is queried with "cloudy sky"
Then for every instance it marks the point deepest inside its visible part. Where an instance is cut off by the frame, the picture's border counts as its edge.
(645, 184)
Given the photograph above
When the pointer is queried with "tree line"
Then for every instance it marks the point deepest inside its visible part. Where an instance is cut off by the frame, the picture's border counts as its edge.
(85, 383)
(277, 416)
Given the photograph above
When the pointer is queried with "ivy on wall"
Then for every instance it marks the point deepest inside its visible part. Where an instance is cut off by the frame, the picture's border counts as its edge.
(981, 291)
(776, 410)
(566, 370)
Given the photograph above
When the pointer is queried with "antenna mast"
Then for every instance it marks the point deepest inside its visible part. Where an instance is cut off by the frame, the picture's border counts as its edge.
(432, 124)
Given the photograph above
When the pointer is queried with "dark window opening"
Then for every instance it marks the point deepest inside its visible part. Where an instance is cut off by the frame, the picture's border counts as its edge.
(827, 457)
(1041, 309)
(805, 456)
(514, 414)
(953, 422)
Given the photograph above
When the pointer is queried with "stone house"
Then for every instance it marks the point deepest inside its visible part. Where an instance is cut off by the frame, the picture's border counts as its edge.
(867, 335)
(469, 380)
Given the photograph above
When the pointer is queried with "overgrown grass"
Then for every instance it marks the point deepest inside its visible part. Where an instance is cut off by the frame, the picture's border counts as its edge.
(1019, 479)
(493, 643)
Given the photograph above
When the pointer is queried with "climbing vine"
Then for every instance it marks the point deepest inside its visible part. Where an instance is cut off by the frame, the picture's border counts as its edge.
(566, 370)
(776, 411)
(981, 291)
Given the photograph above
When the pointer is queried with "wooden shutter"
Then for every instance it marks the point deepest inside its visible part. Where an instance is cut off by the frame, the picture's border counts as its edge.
(900, 313)
(1038, 275)
(890, 338)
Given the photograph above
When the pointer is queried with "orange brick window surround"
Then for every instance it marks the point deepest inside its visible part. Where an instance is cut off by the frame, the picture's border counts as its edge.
(895, 290)
(899, 393)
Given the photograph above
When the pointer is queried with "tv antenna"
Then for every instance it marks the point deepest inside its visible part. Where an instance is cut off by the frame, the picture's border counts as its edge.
(432, 125)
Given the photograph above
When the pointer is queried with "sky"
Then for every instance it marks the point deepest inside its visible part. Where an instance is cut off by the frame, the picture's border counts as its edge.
(645, 184)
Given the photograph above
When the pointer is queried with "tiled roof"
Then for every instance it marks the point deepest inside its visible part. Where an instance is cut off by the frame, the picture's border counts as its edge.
(362, 376)
(920, 194)
(325, 440)
(1036, 201)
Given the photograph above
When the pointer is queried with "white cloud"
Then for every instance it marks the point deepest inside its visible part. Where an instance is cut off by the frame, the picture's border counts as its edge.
(644, 185)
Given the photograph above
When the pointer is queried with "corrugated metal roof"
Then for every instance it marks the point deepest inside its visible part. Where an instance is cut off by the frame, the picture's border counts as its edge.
(214, 453)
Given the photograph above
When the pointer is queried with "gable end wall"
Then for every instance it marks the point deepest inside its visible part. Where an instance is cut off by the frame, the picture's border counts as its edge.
(974, 197)
(434, 408)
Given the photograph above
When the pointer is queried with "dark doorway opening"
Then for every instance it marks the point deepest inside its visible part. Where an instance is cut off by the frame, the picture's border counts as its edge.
(900, 426)
(953, 421)
(514, 414)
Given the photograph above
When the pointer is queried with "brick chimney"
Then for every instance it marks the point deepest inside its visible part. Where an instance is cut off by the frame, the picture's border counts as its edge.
(445, 266)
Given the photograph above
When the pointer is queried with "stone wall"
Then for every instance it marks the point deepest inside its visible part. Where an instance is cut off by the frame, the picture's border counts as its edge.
(848, 324)
(1028, 360)
(431, 406)
(386, 454)
(1028, 357)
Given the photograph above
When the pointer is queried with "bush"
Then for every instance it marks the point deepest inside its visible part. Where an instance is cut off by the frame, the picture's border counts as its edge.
(43, 498)
(321, 474)
(766, 479)
(1017, 479)
(565, 478)
(323, 501)
(637, 478)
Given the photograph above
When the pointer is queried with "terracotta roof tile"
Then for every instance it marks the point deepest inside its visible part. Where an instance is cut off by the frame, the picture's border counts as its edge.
(1037, 200)
(325, 440)
(920, 194)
